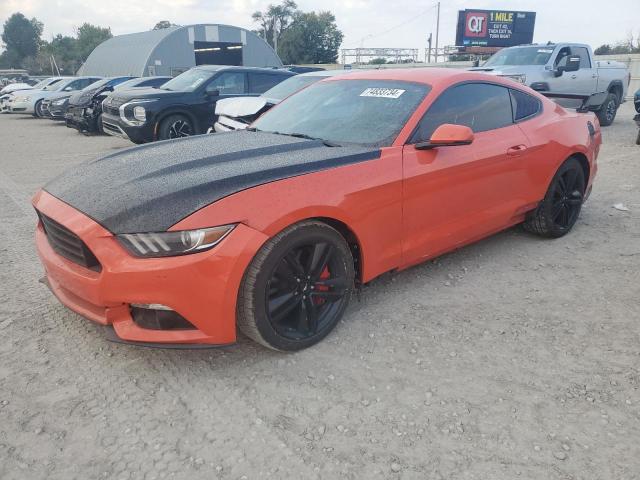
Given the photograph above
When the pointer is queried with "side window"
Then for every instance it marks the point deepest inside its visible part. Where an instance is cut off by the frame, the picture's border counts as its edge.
(228, 83)
(75, 85)
(583, 53)
(261, 82)
(524, 106)
(479, 106)
(563, 56)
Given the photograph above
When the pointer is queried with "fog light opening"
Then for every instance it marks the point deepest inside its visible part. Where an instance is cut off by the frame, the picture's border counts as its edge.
(155, 316)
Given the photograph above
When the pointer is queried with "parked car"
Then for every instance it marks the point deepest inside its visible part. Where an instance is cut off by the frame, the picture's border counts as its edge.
(238, 113)
(7, 93)
(30, 101)
(55, 107)
(185, 105)
(85, 113)
(84, 110)
(563, 68)
(269, 229)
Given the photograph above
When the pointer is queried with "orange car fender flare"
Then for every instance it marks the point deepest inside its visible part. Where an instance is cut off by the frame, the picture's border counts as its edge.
(333, 216)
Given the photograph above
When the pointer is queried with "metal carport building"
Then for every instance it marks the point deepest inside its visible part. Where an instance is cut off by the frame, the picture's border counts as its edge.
(171, 51)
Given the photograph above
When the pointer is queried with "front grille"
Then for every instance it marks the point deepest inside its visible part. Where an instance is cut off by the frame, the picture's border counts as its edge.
(68, 245)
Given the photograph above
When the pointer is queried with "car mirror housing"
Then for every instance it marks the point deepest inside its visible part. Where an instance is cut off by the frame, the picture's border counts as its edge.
(448, 135)
(212, 93)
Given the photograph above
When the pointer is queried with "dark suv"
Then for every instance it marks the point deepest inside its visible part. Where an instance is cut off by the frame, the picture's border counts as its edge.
(184, 105)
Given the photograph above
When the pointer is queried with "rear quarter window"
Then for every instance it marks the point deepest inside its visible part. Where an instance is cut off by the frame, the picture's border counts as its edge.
(524, 105)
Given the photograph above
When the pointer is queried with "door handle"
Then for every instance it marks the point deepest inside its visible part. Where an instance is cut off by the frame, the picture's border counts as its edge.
(574, 76)
(516, 150)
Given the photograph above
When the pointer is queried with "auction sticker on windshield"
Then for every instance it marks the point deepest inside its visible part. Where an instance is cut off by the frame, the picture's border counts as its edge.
(382, 92)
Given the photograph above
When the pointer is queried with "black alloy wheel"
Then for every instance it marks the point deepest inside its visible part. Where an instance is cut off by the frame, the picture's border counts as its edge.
(175, 126)
(306, 289)
(179, 129)
(297, 287)
(559, 210)
(567, 199)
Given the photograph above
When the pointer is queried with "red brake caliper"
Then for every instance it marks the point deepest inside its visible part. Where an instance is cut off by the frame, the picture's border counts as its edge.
(322, 288)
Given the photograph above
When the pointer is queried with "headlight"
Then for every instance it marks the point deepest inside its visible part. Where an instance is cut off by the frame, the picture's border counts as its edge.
(60, 102)
(134, 114)
(169, 244)
(139, 113)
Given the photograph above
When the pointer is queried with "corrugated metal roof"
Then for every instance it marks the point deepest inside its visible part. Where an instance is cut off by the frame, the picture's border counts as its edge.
(125, 53)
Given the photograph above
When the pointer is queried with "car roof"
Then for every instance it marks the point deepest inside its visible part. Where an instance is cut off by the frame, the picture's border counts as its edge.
(325, 73)
(436, 77)
(215, 68)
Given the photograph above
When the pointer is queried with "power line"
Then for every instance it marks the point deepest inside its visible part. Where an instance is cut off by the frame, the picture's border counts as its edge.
(406, 22)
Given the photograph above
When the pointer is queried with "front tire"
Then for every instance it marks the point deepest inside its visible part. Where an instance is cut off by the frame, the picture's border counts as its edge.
(557, 213)
(175, 126)
(607, 113)
(37, 109)
(297, 287)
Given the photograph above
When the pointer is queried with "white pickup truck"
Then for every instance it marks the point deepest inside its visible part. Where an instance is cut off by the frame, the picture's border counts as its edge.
(563, 68)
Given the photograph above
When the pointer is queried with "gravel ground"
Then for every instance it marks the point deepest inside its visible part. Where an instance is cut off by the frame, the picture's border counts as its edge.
(513, 358)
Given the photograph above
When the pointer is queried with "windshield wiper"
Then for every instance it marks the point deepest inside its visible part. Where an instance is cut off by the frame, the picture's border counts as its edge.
(309, 137)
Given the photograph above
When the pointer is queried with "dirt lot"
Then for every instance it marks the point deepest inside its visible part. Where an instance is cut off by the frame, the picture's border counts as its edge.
(513, 358)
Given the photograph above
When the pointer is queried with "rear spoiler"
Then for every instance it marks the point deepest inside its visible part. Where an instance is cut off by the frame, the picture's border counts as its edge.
(590, 103)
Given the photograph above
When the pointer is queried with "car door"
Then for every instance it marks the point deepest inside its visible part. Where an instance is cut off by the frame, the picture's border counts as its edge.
(224, 85)
(457, 194)
(582, 81)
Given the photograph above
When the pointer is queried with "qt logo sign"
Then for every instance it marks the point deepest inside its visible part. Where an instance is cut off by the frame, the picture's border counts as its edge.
(476, 25)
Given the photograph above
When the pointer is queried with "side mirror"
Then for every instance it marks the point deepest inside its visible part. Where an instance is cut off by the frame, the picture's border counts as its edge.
(573, 65)
(66, 89)
(212, 93)
(448, 135)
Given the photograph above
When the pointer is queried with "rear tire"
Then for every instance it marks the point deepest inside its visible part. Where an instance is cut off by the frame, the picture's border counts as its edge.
(176, 126)
(607, 113)
(297, 287)
(557, 213)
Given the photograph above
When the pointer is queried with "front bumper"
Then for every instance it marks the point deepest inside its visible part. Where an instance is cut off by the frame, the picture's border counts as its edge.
(16, 106)
(201, 287)
(113, 125)
(75, 117)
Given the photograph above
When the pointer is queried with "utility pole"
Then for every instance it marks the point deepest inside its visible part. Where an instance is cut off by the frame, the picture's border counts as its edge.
(429, 42)
(437, 31)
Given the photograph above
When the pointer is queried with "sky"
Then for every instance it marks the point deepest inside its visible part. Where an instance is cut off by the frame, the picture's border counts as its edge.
(365, 23)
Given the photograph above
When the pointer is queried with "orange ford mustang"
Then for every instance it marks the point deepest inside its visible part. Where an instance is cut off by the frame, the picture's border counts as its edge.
(270, 230)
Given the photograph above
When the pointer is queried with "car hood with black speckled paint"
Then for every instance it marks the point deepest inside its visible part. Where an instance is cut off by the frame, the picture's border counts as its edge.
(152, 187)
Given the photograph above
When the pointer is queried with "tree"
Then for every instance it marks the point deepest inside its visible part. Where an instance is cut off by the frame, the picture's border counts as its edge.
(89, 37)
(378, 61)
(275, 21)
(164, 24)
(21, 37)
(603, 50)
(311, 38)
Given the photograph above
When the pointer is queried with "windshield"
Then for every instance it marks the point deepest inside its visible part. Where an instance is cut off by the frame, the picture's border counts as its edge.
(364, 112)
(189, 80)
(289, 86)
(97, 84)
(42, 84)
(55, 85)
(520, 56)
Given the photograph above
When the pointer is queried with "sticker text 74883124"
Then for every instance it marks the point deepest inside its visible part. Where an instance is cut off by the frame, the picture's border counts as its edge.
(382, 92)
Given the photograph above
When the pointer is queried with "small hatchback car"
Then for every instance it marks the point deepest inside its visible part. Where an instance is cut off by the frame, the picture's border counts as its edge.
(269, 229)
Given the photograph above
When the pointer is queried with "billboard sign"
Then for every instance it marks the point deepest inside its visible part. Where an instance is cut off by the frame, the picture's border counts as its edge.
(494, 28)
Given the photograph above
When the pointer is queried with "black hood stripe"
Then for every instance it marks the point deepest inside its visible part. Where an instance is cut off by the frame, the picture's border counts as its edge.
(153, 187)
